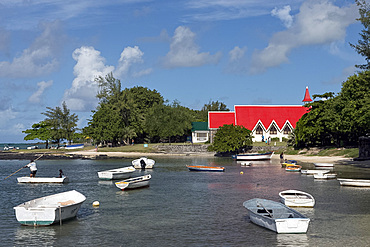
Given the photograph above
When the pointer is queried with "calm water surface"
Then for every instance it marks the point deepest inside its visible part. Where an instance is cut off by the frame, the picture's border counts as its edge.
(182, 208)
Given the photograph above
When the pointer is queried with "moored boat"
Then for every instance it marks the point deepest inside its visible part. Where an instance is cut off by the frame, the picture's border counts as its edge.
(324, 165)
(50, 209)
(133, 183)
(253, 156)
(276, 216)
(312, 172)
(118, 173)
(288, 162)
(325, 175)
(74, 146)
(354, 182)
(143, 163)
(42, 180)
(206, 168)
(293, 168)
(296, 198)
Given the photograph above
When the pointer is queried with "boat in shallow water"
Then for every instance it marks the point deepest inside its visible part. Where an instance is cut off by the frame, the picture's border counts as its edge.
(50, 209)
(253, 156)
(312, 172)
(206, 168)
(276, 216)
(118, 173)
(143, 163)
(134, 183)
(323, 164)
(325, 175)
(296, 198)
(354, 182)
(42, 180)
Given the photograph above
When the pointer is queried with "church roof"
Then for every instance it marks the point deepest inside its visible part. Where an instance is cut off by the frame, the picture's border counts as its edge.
(307, 97)
(249, 115)
(216, 119)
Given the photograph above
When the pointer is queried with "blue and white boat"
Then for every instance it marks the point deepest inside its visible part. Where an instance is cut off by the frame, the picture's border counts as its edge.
(74, 146)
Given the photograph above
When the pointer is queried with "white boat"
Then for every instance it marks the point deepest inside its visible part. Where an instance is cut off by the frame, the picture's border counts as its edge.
(323, 164)
(143, 163)
(51, 209)
(296, 198)
(354, 182)
(133, 183)
(42, 180)
(325, 175)
(253, 156)
(74, 146)
(119, 173)
(276, 216)
(312, 172)
(206, 168)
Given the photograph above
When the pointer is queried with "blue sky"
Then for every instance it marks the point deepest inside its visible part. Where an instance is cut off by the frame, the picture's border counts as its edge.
(235, 51)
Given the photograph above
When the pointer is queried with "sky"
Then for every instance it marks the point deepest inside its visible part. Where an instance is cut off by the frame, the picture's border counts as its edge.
(239, 52)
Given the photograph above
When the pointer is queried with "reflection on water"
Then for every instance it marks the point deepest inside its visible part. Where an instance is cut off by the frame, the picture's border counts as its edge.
(35, 236)
(292, 240)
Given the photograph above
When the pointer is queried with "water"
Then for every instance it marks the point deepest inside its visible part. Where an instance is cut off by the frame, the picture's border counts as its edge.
(182, 208)
(11, 146)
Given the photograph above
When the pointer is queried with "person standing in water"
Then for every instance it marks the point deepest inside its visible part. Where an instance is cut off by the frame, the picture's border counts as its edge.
(33, 168)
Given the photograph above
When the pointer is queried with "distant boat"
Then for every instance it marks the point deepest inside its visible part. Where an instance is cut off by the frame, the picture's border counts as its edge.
(293, 168)
(312, 172)
(133, 183)
(118, 173)
(324, 165)
(143, 163)
(253, 156)
(31, 147)
(74, 146)
(276, 216)
(51, 209)
(206, 168)
(354, 182)
(42, 180)
(288, 162)
(325, 175)
(296, 198)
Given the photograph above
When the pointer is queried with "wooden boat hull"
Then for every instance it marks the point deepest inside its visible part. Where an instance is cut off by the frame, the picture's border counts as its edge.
(296, 198)
(134, 183)
(354, 182)
(206, 168)
(119, 173)
(255, 156)
(143, 163)
(42, 180)
(281, 218)
(51, 209)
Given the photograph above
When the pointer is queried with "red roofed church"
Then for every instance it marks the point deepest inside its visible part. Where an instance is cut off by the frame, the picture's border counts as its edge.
(263, 120)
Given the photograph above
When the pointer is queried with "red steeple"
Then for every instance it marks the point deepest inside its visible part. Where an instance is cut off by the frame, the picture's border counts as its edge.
(307, 97)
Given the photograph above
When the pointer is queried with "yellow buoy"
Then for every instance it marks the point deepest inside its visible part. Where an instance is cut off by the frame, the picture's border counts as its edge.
(241, 173)
(96, 204)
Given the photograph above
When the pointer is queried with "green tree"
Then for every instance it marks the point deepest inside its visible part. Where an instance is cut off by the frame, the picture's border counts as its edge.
(363, 46)
(109, 88)
(211, 106)
(39, 131)
(231, 138)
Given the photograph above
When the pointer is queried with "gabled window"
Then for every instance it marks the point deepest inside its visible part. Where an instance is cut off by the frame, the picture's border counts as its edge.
(273, 130)
(287, 130)
(259, 130)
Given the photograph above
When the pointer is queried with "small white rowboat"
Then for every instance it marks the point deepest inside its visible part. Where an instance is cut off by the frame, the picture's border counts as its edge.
(143, 163)
(323, 164)
(119, 173)
(133, 183)
(276, 216)
(325, 175)
(296, 198)
(354, 182)
(42, 180)
(312, 172)
(253, 156)
(51, 209)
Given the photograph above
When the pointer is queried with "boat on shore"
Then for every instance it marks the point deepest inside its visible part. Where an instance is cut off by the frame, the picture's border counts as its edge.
(134, 183)
(50, 209)
(293, 168)
(323, 164)
(296, 198)
(325, 175)
(74, 146)
(354, 182)
(42, 180)
(312, 172)
(276, 216)
(143, 163)
(253, 156)
(118, 173)
(206, 168)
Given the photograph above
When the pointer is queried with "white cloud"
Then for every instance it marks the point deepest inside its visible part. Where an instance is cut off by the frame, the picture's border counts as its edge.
(318, 22)
(6, 116)
(237, 61)
(40, 58)
(237, 53)
(90, 64)
(184, 52)
(284, 15)
(129, 57)
(42, 86)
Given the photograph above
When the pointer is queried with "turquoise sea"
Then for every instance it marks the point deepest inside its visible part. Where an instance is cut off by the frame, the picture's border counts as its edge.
(183, 208)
